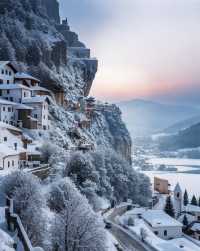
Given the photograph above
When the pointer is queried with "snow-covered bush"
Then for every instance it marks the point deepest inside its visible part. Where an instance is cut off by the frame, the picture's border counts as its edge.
(76, 226)
(106, 174)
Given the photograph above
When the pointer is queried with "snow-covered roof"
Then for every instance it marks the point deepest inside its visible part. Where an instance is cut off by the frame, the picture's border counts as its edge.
(6, 102)
(4, 63)
(39, 88)
(158, 218)
(136, 211)
(195, 227)
(181, 244)
(23, 75)
(36, 99)
(13, 86)
(192, 208)
(23, 107)
(8, 126)
(7, 151)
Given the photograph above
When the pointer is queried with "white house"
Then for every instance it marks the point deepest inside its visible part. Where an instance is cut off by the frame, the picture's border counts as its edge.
(14, 92)
(26, 79)
(40, 112)
(7, 112)
(162, 224)
(7, 72)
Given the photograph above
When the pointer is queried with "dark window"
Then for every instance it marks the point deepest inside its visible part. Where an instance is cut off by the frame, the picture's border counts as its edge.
(8, 91)
(1, 81)
(13, 163)
(9, 109)
(8, 81)
(10, 73)
(6, 72)
(24, 94)
(35, 116)
(156, 232)
(11, 98)
(0, 92)
(165, 233)
(8, 163)
(5, 139)
(4, 108)
(2, 71)
(178, 195)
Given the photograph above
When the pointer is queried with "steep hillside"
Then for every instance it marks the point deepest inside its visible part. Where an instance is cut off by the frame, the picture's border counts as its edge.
(146, 117)
(182, 125)
(33, 38)
(187, 138)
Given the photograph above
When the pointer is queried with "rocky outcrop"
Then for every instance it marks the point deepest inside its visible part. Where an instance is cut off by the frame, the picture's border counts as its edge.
(33, 37)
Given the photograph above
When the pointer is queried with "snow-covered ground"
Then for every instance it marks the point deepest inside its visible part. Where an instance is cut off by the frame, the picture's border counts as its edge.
(177, 244)
(175, 161)
(111, 242)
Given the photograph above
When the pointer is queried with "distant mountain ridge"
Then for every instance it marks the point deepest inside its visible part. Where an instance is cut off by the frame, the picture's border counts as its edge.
(145, 117)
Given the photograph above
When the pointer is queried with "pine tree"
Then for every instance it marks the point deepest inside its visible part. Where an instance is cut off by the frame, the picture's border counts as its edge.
(185, 198)
(185, 220)
(169, 207)
(194, 200)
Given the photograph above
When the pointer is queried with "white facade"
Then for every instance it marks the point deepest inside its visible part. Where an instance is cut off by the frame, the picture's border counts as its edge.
(7, 114)
(40, 110)
(162, 224)
(14, 92)
(7, 73)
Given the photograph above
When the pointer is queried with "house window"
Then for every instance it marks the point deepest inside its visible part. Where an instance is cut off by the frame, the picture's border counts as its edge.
(1, 81)
(165, 233)
(10, 73)
(8, 81)
(11, 98)
(4, 108)
(35, 116)
(5, 139)
(8, 91)
(6, 72)
(156, 232)
(8, 163)
(13, 162)
(24, 94)
(2, 72)
(9, 109)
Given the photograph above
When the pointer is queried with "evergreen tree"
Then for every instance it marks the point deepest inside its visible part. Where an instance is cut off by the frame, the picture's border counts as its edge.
(169, 207)
(199, 201)
(185, 198)
(194, 200)
(185, 220)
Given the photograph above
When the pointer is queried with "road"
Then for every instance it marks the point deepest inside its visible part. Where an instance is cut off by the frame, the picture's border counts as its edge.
(127, 240)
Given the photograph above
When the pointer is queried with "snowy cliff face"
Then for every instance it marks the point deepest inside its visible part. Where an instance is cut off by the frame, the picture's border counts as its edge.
(32, 36)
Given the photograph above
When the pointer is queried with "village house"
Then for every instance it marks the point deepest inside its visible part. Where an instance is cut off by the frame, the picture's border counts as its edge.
(161, 185)
(194, 230)
(162, 224)
(7, 72)
(193, 210)
(40, 111)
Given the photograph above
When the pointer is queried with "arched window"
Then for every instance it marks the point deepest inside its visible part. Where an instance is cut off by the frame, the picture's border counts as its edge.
(8, 163)
(178, 195)
(165, 233)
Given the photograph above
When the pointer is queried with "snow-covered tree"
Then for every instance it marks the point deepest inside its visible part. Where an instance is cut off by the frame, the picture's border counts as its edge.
(169, 209)
(25, 190)
(194, 200)
(76, 226)
(185, 220)
(185, 198)
(48, 150)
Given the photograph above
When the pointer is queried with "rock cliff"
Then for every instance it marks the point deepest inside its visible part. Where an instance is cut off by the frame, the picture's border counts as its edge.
(33, 37)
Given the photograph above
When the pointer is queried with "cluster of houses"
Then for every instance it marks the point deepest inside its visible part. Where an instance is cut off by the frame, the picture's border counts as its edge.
(160, 230)
(24, 104)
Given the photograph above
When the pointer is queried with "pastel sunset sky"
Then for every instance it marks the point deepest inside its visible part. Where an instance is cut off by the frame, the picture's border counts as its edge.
(146, 48)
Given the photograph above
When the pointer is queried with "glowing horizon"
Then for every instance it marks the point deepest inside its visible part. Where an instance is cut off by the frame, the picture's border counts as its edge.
(145, 48)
